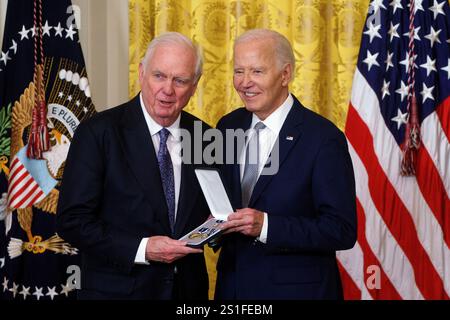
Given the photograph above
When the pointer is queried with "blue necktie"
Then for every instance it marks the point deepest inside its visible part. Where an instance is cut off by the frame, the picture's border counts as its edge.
(167, 178)
(251, 166)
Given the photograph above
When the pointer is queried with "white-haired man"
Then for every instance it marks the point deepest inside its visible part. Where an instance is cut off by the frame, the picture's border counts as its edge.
(126, 195)
(297, 195)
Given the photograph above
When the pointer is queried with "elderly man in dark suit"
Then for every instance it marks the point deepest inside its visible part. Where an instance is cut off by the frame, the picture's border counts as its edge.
(297, 194)
(127, 194)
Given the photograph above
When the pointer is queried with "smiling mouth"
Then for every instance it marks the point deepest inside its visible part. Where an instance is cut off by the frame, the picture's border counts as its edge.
(249, 94)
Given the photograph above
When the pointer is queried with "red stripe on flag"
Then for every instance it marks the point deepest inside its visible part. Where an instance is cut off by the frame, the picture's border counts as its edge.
(38, 195)
(27, 196)
(392, 209)
(433, 191)
(13, 165)
(386, 290)
(443, 112)
(351, 290)
(17, 193)
(12, 181)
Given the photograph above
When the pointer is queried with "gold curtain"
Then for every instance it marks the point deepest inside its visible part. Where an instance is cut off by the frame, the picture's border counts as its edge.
(325, 35)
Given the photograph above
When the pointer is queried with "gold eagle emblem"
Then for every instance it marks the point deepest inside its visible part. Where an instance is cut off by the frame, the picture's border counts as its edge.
(21, 119)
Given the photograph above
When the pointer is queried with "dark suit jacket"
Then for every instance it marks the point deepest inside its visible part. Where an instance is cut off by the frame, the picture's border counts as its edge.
(112, 197)
(310, 204)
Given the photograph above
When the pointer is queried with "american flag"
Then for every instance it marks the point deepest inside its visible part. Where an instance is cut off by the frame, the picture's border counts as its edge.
(402, 250)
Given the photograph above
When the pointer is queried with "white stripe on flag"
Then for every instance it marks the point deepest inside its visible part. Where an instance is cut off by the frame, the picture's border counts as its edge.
(436, 142)
(18, 195)
(19, 171)
(393, 260)
(389, 155)
(353, 262)
(30, 200)
(15, 190)
(16, 165)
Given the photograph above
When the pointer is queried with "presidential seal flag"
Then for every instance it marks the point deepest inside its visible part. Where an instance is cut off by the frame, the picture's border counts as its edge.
(44, 95)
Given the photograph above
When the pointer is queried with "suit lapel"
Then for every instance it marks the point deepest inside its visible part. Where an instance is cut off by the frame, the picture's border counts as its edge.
(141, 157)
(189, 189)
(245, 124)
(289, 135)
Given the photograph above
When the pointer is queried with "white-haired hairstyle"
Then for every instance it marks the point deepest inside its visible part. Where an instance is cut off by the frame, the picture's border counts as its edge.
(282, 46)
(175, 38)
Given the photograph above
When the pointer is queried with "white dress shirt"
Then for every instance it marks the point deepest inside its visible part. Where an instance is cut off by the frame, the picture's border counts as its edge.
(174, 148)
(267, 138)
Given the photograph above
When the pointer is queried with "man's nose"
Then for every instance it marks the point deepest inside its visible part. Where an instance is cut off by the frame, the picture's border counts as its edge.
(246, 80)
(168, 87)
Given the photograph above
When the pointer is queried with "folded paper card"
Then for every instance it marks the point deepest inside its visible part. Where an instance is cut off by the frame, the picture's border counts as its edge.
(218, 204)
(214, 192)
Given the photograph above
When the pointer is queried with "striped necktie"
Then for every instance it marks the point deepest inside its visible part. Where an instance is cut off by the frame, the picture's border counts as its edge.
(251, 166)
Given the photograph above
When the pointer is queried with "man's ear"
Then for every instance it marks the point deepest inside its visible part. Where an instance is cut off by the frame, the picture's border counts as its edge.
(195, 85)
(286, 75)
(141, 72)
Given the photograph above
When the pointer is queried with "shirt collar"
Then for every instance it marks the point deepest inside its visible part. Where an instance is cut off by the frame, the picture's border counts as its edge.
(275, 120)
(154, 127)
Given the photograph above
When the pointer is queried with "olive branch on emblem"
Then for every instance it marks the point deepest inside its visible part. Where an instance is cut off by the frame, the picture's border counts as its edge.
(5, 124)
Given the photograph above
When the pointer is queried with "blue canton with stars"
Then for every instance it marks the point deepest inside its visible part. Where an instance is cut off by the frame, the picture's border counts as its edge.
(383, 58)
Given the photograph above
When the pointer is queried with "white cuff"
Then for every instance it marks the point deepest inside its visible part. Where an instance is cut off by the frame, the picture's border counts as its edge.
(263, 235)
(140, 255)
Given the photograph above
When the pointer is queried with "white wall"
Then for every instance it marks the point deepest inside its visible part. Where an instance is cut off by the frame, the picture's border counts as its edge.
(104, 40)
(3, 4)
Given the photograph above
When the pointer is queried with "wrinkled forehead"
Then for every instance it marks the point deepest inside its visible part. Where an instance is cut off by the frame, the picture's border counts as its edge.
(173, 59)
(255, 51)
